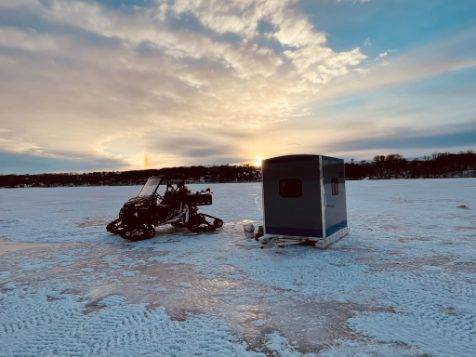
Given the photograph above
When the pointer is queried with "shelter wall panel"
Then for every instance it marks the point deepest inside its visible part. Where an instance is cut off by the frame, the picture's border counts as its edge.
(292, 215)
(335, 195)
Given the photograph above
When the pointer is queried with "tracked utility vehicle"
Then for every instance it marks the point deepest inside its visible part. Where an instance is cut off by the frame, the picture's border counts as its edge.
(163, 201)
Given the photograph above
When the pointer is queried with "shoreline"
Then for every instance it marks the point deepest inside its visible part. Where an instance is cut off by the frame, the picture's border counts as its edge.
(239, 182)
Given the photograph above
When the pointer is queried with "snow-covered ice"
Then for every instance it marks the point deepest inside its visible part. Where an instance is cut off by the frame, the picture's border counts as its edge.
(402, 283)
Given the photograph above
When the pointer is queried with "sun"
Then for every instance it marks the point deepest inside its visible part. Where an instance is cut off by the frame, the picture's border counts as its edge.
(258, 160)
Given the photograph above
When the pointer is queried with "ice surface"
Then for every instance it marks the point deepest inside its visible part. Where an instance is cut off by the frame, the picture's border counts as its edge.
(34, 323)
(402, 282)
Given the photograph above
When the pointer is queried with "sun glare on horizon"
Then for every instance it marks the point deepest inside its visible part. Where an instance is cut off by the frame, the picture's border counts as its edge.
(258, 160)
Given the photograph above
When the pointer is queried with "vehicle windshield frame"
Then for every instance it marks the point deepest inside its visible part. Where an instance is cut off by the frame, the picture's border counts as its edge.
(150, 187)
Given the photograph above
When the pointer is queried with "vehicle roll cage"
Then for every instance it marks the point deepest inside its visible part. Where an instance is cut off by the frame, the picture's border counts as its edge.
(169, 181)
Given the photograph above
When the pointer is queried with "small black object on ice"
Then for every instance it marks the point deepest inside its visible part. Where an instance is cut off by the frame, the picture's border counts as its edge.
(176, 205)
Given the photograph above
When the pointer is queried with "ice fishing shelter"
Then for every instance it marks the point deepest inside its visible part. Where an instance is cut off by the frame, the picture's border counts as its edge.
(304, 199)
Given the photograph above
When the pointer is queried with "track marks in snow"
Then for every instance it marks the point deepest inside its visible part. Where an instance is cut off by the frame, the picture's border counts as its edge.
(439, 336)
(38, 326)
(434, 311)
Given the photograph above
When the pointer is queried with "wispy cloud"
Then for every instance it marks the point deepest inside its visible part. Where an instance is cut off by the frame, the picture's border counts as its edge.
(452, 53)
(438, 138)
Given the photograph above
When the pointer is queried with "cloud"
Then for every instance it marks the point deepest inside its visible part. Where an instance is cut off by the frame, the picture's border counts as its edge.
(452, 53)
(191, 147)
(462, 136)
(11, 162)
(353, 1)
(84, 77)
(182, 81)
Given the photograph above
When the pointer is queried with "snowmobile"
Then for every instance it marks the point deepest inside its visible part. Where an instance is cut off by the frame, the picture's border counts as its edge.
(161, 201)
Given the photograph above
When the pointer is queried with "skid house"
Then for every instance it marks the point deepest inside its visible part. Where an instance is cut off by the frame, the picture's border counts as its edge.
(304, 198)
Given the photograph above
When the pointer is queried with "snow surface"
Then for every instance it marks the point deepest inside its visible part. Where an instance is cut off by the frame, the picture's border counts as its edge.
(402, 282)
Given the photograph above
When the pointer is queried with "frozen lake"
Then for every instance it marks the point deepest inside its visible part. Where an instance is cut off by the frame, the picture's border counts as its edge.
(402, 283)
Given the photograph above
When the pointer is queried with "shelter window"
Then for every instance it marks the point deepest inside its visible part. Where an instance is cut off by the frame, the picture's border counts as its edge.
(290, 187)
(335, 186)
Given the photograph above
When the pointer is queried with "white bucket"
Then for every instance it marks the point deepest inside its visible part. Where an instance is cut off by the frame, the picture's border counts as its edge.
(249, 230)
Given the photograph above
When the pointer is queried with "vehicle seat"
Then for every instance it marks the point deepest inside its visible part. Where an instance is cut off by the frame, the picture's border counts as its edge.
(167, 197)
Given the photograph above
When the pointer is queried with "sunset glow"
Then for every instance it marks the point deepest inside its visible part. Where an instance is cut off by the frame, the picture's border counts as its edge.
(258, 161)
(92, 85)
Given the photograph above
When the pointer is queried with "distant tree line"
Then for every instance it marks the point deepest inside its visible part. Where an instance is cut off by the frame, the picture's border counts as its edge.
(222, 173)
(438, 165)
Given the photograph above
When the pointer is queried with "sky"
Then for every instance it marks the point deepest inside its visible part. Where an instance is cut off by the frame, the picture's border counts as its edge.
(133, 84)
